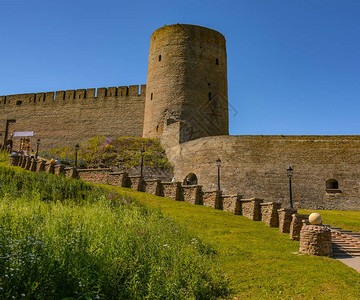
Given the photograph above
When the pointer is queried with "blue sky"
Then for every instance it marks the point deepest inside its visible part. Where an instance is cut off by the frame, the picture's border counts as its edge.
(293, 66)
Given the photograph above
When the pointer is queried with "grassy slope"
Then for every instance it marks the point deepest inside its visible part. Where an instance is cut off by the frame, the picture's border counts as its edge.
(258, 259)
(349, 220)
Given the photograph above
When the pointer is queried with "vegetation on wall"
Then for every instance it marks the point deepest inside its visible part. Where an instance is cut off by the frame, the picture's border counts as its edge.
(109, 152)
(63, 238)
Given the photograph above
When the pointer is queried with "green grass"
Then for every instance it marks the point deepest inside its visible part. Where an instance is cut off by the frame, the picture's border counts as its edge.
(260, 261)
(347, 220)
(62, 238)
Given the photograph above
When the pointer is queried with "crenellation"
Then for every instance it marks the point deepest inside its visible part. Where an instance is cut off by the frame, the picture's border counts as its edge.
(3, 99)
(49, 96)
(59, 95)
(111, 91)
(143, 89)
(80, 94)
(39, 97)
(101, 92)
(70, 94)
(123, 91)
(133, 90)
(90, 93)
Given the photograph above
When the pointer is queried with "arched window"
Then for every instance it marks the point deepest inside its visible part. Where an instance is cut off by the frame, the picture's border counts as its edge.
(190, 179)
(332, 184)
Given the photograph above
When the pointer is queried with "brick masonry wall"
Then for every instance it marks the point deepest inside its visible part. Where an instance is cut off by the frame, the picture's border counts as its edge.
(171, 190)
(285, 217)
(117, 178)
(152, 186)
(135, 183)
(255, 166)
(296, 225)
(69, 117)
(251, 208)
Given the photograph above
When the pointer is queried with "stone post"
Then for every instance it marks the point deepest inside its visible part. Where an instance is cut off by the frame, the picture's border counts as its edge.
(191, 193)
(285, 217)
(315, 240)
(99, 175)
(136, 183)
(23, 161)
(49, 168)
(171, 190)
(59, 170)
(118, 178)
(27, 163)
(232, 203)
(71, 172)
(153, 186)
(14, 160)
(251, 208)
(296, 225)
(33, 165)
(269, 213)
(212, 199)
(40, 166)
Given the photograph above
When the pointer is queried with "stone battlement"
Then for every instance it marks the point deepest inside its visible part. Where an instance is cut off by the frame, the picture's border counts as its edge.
(78, 94)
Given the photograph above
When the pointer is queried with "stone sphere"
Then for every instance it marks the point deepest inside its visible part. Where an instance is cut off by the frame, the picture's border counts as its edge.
(315, 219)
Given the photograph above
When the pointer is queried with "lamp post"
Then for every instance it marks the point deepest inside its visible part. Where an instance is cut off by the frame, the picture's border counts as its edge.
(76, 153)
(289, 174)
(142, 162)
(37, 148)
(218, 163)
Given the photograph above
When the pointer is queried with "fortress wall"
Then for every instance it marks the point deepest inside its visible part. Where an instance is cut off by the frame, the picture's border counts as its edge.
(255, 166)
(72, 116)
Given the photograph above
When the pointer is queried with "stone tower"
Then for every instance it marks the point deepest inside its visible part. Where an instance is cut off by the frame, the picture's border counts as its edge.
(186, 95)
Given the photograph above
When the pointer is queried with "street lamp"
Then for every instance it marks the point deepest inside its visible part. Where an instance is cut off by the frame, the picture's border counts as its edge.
(142, 162)
(218, 163)
(76, 152)
(37, 148)
(289, 174)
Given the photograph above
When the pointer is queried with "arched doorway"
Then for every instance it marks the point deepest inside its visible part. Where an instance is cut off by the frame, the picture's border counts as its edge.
(190, 179)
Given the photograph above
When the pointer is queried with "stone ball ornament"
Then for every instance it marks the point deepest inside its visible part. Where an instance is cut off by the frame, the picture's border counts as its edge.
(315, 219)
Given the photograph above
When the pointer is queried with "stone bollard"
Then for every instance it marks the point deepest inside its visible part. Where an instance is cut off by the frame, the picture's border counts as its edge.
(232, 203)
(191, 193)
(152, 186)
(315, 240)
(14, 160)
(212, 199)
(33, 165)
(296, 225)
(285, 217)
(171, 190)
(40, 166)
(269, 213)
(251, 208)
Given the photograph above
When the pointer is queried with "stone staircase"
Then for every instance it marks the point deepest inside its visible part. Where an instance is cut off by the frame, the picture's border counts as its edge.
(345, 243)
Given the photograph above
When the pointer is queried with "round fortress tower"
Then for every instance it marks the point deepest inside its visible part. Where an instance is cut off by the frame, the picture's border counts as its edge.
(186, 83)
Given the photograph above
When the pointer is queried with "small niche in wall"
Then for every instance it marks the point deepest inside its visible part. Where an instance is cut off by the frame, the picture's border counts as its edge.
(209, 97)
(151, 96)
(217, 61)
(332, 186)
(160, 57)
(19, 102)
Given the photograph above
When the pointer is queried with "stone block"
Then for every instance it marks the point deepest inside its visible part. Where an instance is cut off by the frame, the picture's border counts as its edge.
(14, 160)
(135, 183)
(27, 163)
(40, 166)
(296, 225)
(315, 240)
(153, 186)
(212, 199)
(285, 217)
(231, 203)
(191, 193)
(23, 161)
(33, 165)
(118, 178)
(269, 213)
(59, 170)
(50, 168)
(171, 190)
(71, 172)
(250, 208)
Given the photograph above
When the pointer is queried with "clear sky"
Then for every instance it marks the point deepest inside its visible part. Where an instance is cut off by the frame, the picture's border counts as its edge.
(293, 66)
